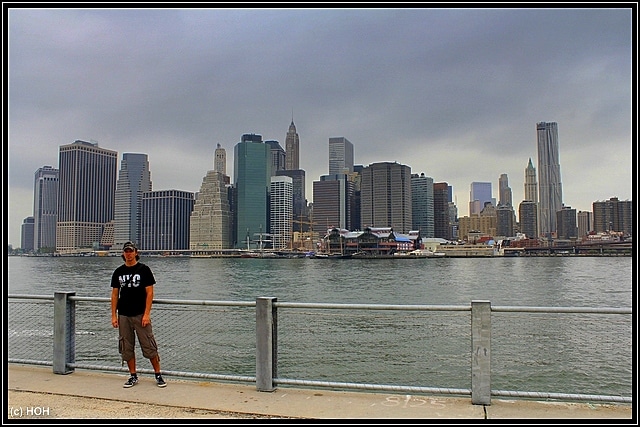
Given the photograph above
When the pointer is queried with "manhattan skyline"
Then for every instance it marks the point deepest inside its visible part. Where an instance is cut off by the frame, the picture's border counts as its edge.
(453, 93)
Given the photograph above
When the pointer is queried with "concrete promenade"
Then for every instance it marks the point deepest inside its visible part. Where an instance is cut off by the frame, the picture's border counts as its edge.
(35, 392)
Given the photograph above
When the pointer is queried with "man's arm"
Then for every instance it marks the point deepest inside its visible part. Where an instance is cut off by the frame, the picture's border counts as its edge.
(114, 306)
(146, 317)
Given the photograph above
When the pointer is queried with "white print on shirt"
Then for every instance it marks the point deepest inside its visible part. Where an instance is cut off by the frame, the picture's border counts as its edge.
(127, 281)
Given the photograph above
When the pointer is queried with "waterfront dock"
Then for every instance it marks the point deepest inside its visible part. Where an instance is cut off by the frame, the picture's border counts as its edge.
(35, 392)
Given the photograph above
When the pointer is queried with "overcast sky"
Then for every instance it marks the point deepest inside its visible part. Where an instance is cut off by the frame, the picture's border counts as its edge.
(453, 93)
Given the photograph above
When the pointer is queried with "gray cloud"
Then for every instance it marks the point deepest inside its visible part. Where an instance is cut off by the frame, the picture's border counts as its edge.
(454, 93)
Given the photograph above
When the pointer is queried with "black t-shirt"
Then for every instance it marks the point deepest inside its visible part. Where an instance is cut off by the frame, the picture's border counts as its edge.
(132, 282)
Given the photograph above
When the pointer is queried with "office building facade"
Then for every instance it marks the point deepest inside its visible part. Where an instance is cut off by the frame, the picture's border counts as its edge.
(422, 205)
(505, 194)
(45, 208)
(298, 180)
(613, 215)
(549, 179)
(585, 223)
(340, 156)
(441, 215)
(252, 181)
(566, 220)
(281, 211)
(278, 156)
(505, 221)
(528, 218)
(165, 224)
(26, 234)
(332, 202)
(86, 194)
(385, 196)
(134, 179)
(479, 195)
(211, 218)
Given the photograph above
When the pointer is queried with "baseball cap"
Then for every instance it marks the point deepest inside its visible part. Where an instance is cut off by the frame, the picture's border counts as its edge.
(129, 245)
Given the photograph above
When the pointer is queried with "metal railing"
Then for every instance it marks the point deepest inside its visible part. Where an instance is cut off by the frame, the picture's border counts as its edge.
(65, 336)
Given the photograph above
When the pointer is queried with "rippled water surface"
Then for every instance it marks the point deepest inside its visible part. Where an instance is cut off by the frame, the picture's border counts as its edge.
(569, 353)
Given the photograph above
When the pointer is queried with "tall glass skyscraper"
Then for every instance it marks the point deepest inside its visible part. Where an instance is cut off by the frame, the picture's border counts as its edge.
(550, 182)
(252, 180)
(45, 208)
(134, 179)
(340, 156)
(422, 204)
(480, 194)
(86, 195)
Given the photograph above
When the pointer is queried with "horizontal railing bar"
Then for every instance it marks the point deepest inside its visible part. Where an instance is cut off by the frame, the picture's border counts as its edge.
(219, 377)
(374, 387)
(597, 310)
(373, 306)
(561, 396)
(407, 307)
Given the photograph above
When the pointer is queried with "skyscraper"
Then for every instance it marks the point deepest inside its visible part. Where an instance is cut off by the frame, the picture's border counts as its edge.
(86, 195)
(613, 215)
(165, 224)
(211, 218)
(278, 156)
(332, 202)
(134, 179)
(566, 220)
(220, 160)
(441, 216)
(504, 191)
(340, 156)
(385, 196)
(292, 170)
(292, 147)
(252, 180)
(299, 199)
(550, 188)
(281, 205)
(422, 204)
(585, 221)
(479, 195)
(26, 234)
(529, 218)
(530, 184)
(45, 208)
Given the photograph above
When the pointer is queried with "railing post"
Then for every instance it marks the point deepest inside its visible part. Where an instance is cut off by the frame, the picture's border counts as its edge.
(481, 352)
(266, 343)
(64, 332)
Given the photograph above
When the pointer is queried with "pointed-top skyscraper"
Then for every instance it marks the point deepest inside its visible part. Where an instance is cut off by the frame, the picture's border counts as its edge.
(292, 148)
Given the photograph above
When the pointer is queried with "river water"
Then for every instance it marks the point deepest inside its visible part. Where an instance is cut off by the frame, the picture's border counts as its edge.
(564, 353)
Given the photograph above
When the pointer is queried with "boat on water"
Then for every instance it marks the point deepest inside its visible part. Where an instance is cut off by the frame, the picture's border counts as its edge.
(332, 256)
(426, 253)
(259, 254)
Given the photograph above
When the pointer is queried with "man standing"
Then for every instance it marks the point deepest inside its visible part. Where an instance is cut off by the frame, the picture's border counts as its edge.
(131, 297)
